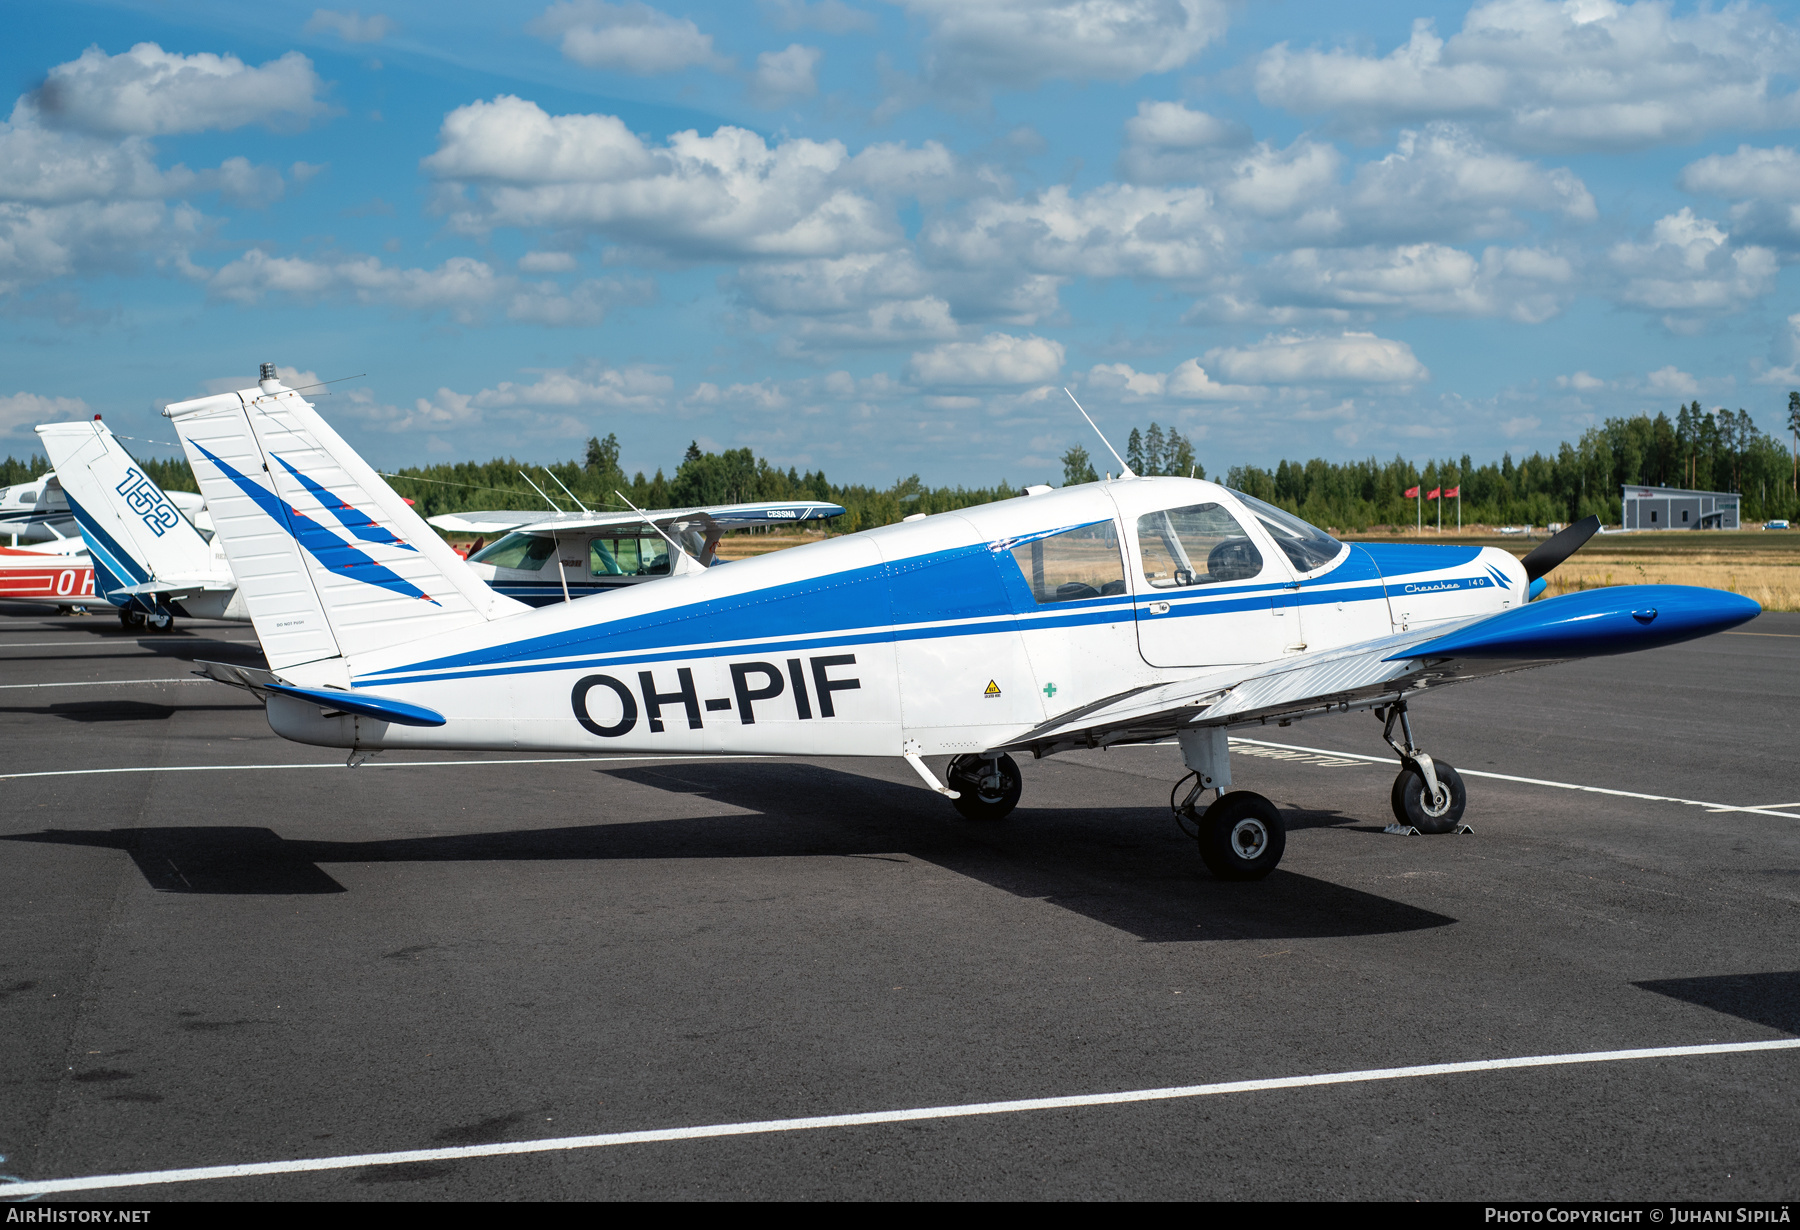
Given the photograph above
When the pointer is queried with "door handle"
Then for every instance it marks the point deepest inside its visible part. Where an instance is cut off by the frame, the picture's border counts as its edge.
(1159, 608)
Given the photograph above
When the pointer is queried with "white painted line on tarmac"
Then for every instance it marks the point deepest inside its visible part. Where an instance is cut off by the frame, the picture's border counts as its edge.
(1538, 781)
(367, 764)
(147, 1178)
(101, 683)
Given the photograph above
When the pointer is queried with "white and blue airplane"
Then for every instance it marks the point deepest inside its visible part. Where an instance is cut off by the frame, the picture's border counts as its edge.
(151, 561)
(1132, 610)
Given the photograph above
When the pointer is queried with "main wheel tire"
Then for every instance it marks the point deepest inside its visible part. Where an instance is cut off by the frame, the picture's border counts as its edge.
(1439, 815)
(130, 618)
(1242, 836)
(988, 789)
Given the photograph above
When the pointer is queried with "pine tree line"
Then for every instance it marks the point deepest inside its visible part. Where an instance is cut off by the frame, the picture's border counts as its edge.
(1720, 450)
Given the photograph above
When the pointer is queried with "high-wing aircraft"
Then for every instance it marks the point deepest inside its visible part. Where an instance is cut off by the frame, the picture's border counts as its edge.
(149, 560)
(1132, 610)
(544, 559)
(58, 572)
(36, 512)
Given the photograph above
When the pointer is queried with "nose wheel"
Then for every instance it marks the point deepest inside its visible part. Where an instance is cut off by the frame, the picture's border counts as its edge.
(1428, 795)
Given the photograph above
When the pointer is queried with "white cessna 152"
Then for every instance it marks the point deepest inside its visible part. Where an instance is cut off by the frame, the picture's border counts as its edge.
(150, 558)
(1134, 610)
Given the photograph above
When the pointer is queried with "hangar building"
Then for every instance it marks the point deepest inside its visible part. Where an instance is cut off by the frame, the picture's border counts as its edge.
(1671, 508)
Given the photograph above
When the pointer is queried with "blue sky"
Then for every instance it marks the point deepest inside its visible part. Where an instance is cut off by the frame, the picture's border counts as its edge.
(880, 238)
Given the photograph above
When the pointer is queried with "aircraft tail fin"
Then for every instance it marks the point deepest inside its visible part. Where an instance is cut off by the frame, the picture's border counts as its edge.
(136, 535)
(330, 561)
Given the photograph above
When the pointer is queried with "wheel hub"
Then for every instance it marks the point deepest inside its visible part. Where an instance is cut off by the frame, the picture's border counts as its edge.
(1249, 838)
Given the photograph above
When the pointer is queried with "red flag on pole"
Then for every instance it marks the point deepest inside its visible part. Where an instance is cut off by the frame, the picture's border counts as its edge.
(1453, 493)
(1432, 494)
(1412, 493)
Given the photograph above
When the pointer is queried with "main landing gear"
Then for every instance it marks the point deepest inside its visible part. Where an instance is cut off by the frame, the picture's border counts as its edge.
(988, 785)
(135, 619)
(1428, 796)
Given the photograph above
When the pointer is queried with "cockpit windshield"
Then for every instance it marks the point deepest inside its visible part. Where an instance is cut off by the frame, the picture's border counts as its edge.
(1307, 546)
(522, 552)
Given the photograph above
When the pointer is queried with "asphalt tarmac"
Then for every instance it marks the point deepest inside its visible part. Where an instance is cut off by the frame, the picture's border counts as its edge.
(262, 963)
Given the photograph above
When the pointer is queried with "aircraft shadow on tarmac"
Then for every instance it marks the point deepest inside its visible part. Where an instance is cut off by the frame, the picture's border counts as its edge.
(118, 710)
(1122, 867)
(1771, 999)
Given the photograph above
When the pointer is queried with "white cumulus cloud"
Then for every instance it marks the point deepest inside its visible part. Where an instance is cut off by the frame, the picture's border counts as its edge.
(787, 74)
(352, 27)
(1020, 43)
(1690, 268)
(628, 38)
(1554, 74)
(21, 412)
(997, 359)
(1294, 358)
(1187, 382)
(728, 194)
(150, 92)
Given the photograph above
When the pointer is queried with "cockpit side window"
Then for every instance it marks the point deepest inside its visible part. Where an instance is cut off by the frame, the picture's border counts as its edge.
(1080, 563)
(628, 557)
(518, 551)
(1307, 546)
(1201, 544)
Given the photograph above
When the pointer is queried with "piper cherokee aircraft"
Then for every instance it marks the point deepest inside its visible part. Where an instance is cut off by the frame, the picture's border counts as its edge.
(1131, 610)
(595, 552)
(149, 560)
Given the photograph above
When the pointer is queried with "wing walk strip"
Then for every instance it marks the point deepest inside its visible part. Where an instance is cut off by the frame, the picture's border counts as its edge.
(1538, 781)
(147, 1178)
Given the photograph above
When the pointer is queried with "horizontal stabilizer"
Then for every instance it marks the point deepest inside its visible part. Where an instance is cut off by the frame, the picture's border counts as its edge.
(262, 683)
(177, 585)
(1619, 619)
(383, 708)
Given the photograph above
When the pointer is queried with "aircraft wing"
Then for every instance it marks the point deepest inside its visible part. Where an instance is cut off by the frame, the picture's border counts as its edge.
(728, 516)
(1374, 672)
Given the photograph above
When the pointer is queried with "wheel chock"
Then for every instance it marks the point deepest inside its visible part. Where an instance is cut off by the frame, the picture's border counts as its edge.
(1401, 830)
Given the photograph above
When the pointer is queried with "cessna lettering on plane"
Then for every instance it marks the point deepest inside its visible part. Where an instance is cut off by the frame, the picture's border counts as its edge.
(1129, 611)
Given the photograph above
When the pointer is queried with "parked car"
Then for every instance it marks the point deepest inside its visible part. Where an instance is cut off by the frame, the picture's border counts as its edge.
(1776, 525)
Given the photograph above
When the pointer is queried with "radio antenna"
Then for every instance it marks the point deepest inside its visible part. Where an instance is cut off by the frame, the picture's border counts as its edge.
(1125, 471)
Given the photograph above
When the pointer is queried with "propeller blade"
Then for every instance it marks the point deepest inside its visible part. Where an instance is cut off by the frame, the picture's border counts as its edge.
(1554, 550)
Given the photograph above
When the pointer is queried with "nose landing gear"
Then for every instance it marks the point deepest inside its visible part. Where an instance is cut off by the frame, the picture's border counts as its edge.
(1428, 795)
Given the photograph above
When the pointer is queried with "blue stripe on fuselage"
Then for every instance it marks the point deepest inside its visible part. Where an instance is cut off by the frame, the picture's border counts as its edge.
(1399, 559)
(966, 591)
